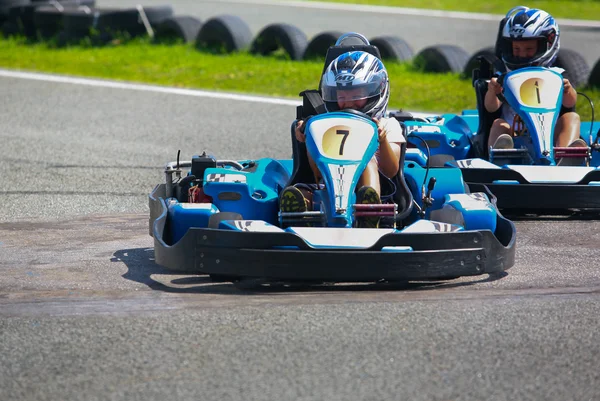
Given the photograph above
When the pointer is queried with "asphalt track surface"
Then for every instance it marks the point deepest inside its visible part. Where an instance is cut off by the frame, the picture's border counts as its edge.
(419, 29)
(85, 313)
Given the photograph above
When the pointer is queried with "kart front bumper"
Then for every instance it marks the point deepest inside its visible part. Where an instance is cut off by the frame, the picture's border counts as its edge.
(287, 256)
(514, 192)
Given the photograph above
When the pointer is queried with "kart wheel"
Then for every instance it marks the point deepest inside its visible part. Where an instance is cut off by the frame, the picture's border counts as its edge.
(594, 79)
(442, 58)
(577, 69)
(393, 48)
(184, 28)
(224, 34)
(284, 37)
(473, 63)
(318, 46)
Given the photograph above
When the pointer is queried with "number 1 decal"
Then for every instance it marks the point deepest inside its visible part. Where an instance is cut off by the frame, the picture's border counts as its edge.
(537, 91)
(345, 133)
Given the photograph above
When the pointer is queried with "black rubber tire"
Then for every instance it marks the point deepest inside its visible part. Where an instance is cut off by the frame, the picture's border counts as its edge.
(79, 24)
(318, 46)
(129, 21)
(224, 34)
(177, 28)
(24, 16)
(594, 79)
(280, 36)
(6, 5)
(9, 28)
(576, 67)
(473, 64)
(109, 21)
(393, 48)
(48, 21)
(442, 58)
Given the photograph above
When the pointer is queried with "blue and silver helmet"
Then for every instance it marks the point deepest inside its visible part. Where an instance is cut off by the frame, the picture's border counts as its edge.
(523, 24)
(360, 75)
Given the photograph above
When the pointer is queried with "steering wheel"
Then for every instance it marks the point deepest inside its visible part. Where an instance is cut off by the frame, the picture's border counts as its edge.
(348, 111)
(500, 96)
(358, 113)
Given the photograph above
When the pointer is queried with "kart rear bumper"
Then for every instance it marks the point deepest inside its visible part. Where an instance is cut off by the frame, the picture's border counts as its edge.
(287, 256)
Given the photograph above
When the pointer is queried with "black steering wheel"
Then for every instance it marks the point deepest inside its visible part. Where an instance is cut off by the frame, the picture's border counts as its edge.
(348, 111)
(357, 113)
(500, 78)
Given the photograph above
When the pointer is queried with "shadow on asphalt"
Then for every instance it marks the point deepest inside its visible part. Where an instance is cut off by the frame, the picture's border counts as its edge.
(557, 217)
(141, 266)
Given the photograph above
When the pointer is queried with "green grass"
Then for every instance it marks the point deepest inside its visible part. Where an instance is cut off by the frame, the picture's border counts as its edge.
(571, 9)
(183, 66)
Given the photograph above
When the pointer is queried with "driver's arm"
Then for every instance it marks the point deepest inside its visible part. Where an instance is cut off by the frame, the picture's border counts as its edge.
(389, 158)
(301, 137)
(390, 137)
(491, 101)
(569, 94)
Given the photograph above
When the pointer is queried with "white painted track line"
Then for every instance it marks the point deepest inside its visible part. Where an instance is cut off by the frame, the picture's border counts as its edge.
(101, 83)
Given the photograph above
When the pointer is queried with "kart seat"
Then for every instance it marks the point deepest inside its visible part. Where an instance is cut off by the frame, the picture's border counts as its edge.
(486, 119)
(480, 78)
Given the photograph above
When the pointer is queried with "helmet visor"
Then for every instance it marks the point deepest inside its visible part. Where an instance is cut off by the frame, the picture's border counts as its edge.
(345, 92)
(513, 51)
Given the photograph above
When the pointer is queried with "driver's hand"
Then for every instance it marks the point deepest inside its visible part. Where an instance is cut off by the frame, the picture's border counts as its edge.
(381, 131)
(494, 86)
(566, 85)
(300, 135)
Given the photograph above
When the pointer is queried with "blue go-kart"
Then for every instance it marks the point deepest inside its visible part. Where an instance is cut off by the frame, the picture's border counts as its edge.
(221, 217)
(528, 178)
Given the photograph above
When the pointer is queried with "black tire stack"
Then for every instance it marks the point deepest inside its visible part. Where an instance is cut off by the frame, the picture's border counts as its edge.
(71, 21)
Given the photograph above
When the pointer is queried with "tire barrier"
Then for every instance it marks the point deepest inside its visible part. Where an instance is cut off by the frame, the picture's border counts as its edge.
(442, 58)
(594, 79)
(178, 28)
(100, 25)
(393, 48)
(284, 37)
(317, 47)
(224, 34)
(575, 66)
(70, 21)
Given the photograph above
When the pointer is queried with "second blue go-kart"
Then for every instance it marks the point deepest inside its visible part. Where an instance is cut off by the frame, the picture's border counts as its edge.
(528, 178)
(222, 217)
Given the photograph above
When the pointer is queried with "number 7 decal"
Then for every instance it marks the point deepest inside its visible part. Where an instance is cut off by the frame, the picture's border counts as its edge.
(345, 133)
